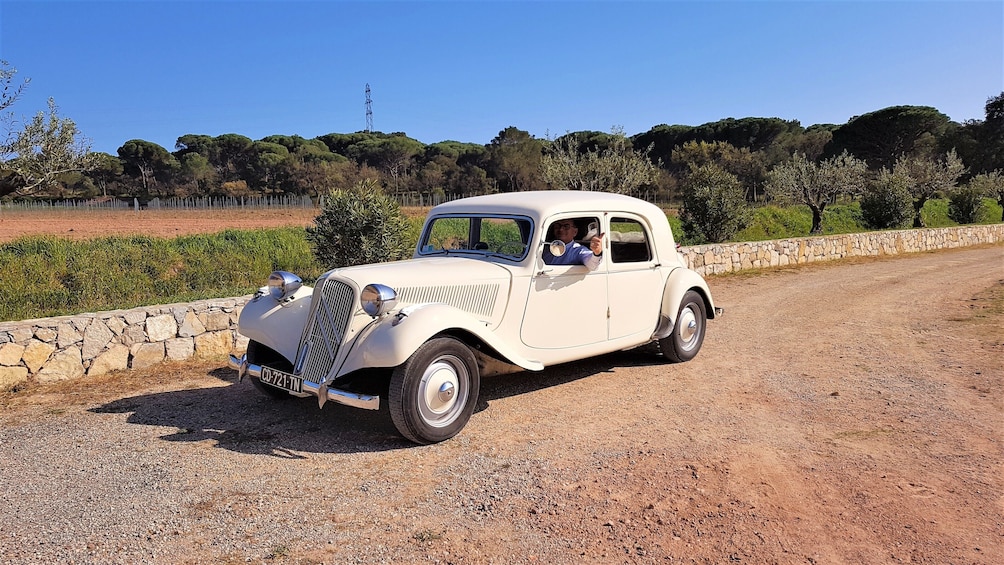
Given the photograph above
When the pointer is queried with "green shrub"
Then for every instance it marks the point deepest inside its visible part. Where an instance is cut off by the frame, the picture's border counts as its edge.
(775, 222)
(965, 205)
(359, 226)
(993, 212)
(714, 204)
(887, 202)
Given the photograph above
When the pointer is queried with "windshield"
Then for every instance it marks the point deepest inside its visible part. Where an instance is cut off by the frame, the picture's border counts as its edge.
(496, 236)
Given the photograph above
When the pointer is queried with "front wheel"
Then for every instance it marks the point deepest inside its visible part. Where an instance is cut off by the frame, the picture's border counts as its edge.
(688, 333)
(433, 394)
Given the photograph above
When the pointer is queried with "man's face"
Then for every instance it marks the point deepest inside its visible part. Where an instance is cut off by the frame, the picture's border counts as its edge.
(565, 230)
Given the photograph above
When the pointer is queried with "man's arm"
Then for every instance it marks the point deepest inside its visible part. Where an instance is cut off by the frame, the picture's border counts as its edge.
(592, 256)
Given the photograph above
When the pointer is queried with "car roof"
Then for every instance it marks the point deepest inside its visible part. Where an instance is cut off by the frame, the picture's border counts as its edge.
(544, 203)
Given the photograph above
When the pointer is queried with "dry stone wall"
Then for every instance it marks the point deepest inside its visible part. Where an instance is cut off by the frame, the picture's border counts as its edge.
(728, 257)
(69, 347)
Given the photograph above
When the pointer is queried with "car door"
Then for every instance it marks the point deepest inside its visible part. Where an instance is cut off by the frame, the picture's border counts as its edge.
(567, 304)
(634, 281)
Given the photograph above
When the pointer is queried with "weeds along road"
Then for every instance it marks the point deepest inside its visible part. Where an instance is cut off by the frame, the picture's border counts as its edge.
(840, 413)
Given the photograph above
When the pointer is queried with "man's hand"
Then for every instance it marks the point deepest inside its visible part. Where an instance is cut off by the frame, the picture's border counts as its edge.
(596, 244)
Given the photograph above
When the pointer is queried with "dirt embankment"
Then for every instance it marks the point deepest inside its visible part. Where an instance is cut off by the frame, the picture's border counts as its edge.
(86, 224)
(840, 413)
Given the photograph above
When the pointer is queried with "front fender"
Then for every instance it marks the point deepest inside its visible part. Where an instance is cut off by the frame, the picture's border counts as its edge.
(679, 282)
(277, 325)
(391, 340)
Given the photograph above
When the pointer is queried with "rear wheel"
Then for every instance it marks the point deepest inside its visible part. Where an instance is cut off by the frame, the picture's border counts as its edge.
(688, 333)
(433, 394)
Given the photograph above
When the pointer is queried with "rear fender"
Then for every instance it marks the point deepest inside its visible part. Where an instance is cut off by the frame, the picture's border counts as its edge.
(391, 340)
(679, 282)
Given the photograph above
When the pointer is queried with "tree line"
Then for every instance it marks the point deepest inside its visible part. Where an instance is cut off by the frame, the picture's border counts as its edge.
(882, 155)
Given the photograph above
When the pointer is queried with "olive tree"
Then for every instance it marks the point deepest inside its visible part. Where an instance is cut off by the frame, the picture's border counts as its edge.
(928, 177)
(615, 168)
(358, 226)
(714, 204)
(887, 202)
(817, 184)
(48, 146)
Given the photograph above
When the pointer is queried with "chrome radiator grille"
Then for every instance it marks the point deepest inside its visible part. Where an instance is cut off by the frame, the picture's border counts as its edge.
(323, 336)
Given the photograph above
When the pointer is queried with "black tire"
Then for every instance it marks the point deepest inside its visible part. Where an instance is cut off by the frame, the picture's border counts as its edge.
(688, 334)
(433, 394)
(266, 356)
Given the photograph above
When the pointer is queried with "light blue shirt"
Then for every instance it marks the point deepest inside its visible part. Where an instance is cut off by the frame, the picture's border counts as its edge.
(575, 254)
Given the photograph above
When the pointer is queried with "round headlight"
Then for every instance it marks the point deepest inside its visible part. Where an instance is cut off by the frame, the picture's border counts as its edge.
(377, 299)
(282, 285)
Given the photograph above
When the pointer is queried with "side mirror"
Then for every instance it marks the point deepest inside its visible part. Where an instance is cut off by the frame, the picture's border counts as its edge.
(557, 248)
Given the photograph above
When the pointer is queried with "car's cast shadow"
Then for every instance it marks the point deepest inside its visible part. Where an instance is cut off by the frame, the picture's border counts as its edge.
(239, 418)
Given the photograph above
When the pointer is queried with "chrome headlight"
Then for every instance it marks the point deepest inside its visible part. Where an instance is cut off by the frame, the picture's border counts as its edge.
(282, 285)
(377, 299)
(557, 248)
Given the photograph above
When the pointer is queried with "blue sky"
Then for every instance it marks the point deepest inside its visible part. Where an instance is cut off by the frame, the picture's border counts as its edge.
(464, 71)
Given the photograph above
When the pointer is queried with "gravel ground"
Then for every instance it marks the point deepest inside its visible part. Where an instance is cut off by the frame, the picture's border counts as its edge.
(841, 413)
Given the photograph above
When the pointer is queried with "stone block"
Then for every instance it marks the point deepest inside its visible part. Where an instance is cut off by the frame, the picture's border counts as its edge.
(116, 325)
(241, 342)
(36, 353)
(216, 320)
(64, 365)
(67, 335)
(191, 326)
(115, 358)
(47, 335)
(179, 313)
(214, 344)
(147, 354)
(179, 349)
(96, 337)
(10, 377)
(161, 327)
(21, 334)
(133, 335)
(10, 354)
(135, 317)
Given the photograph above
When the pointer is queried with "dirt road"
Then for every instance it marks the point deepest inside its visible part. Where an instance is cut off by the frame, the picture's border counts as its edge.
(843, 413)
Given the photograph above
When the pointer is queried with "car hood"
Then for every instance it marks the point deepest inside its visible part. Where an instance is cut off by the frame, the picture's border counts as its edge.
(478, 287)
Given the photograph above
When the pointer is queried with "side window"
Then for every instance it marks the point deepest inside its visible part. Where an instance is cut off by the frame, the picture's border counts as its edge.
(629, 242)
(448, 234)
(584, 229)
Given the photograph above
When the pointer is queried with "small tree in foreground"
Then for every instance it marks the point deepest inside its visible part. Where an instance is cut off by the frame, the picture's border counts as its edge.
(359, 226)
(928, 177)
(714, 204)
(887, 202)
(816, 185)
(965, 204)
(990, 185)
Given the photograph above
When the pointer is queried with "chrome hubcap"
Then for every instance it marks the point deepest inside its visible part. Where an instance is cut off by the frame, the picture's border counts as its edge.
(442, 393)
(688, 328)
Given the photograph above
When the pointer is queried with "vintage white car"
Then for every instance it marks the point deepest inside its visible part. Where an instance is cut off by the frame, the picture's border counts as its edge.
(481, 296)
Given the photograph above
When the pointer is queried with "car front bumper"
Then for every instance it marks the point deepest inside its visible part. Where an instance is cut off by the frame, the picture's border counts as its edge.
(320, 390)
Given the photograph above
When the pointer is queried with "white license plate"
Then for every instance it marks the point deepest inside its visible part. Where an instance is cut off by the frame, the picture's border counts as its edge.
(281, 379)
